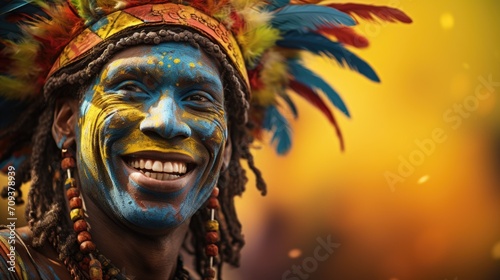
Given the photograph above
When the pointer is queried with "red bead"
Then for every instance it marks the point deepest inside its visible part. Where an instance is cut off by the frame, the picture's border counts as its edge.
(87, 247)
(75, 202)
(72, 192)
(215, 192)
(213, 203)
(86, 260)
(84, 263)
(66, 153)
(210, 273)
(84, 236)
(212, 237)
(68, 162)
(84, 266)
(211, 250)
(80, 225)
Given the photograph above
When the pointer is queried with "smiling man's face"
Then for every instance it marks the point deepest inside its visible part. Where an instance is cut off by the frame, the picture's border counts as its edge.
(151, 135)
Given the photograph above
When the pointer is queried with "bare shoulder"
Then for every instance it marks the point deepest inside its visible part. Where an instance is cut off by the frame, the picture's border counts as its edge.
(19, 260)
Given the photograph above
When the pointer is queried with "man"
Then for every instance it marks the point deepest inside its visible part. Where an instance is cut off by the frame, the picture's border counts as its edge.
(144, 113)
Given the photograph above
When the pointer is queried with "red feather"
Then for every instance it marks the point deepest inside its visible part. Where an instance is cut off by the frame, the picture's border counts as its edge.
(309, 95)
(345, 35)
(238, 21)
(370, 12)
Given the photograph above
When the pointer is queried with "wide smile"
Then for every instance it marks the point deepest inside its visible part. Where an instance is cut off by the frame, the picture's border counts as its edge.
(159, 172)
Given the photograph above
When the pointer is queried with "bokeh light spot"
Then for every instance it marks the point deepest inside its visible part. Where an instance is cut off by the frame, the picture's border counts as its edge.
(495, 252)
(294, 253)
(423, 179)
(447, 21)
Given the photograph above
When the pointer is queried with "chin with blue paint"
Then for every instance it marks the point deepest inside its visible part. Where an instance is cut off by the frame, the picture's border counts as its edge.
(151, 135)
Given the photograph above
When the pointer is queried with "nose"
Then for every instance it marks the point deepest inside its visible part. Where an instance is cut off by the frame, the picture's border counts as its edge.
(165, 119)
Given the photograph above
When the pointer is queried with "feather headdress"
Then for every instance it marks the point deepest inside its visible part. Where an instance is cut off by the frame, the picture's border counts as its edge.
(38, 38)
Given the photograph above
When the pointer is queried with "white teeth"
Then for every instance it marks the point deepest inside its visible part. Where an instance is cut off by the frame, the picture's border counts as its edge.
(157, 166)
(162, 171)
(161, 176)
(167, 167)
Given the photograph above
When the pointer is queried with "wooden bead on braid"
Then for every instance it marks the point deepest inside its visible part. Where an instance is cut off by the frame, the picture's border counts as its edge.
(95, 270)
(212, 235)
(87, 246)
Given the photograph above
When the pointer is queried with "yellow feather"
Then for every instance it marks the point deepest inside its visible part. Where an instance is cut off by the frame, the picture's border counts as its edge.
(240, 5)
(258, 41)
(275, 70)
(22, 55)
(22, 69)
(263, 97)
(15, 88)
(257, 35)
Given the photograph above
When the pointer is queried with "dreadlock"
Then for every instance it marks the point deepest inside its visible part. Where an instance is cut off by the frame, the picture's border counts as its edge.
(46, 211)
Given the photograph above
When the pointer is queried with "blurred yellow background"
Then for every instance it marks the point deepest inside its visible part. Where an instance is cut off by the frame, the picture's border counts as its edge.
(416, 193)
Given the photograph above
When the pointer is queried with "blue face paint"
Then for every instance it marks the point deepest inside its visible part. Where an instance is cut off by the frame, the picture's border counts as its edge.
(163, 104)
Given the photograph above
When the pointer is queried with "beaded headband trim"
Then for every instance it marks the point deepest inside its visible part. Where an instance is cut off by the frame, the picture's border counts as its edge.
(153, 14)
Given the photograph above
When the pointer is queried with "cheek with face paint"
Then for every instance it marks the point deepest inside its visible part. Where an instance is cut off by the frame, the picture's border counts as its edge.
(164, 105)
(103, 119)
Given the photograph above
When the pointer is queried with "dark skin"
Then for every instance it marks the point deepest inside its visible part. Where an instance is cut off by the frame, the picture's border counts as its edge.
(144, 255)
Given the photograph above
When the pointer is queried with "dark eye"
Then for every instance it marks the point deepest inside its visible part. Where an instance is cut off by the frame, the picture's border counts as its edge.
(130, 87)
(198, 98)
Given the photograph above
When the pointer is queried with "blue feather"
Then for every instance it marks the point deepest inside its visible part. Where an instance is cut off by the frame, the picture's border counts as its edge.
(291, 105)
(309, 17)
(319, 44)
(275, 4)
(307, 77)
(13, 5)
(282, 134)
(11, 12)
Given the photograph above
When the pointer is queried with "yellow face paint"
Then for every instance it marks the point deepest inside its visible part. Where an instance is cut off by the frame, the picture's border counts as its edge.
(174, 115)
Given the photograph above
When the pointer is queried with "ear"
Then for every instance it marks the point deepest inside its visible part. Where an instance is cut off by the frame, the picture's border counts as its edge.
(63, 126)
(226, 154)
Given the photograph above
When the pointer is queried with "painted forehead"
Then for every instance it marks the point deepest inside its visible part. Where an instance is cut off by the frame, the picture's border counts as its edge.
(161, 61)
